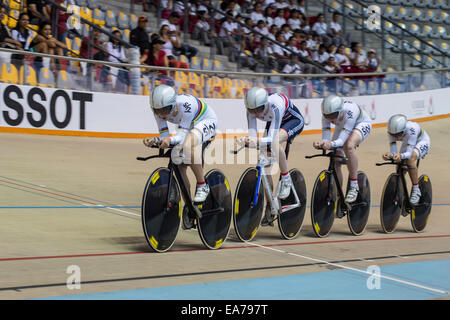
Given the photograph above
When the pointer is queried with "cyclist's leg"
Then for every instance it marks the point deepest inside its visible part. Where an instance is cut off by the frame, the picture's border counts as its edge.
(412, 168)
(350, 152)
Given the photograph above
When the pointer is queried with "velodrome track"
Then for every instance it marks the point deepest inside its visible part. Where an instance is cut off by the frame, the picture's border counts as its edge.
(76, 201)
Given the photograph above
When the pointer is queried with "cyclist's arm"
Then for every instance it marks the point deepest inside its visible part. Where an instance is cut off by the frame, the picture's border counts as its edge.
(163, 128)
(275, 125)
(412, 141)
(345, 133)
(392, 144)
(252, 128)
(326, 129)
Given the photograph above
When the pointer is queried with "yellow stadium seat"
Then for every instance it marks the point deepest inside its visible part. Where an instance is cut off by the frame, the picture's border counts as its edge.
(86, 13)
(195, 83)
(9, 74)
(215, 85)
(46, 78)
(181, 77)
(64, 80)
(12, 21)
(27, 75)
(15, 5)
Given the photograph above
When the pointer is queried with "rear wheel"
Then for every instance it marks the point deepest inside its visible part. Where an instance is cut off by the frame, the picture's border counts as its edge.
(391, 203)
(213, 228)
(290, 222)
(323, 204)
(359, 214)
(247, 218)
(421, 212)
(161, 220)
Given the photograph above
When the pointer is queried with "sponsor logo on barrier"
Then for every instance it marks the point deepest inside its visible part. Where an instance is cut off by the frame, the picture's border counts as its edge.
(373, 111)
(418, 107)
(41, 108)
(430, 105)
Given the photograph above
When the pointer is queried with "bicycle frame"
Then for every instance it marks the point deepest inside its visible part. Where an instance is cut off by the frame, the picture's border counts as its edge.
(263, 162)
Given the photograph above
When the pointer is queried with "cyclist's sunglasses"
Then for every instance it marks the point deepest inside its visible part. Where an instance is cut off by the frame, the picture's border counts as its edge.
(163, 111)
(331, 116)
(257, 110)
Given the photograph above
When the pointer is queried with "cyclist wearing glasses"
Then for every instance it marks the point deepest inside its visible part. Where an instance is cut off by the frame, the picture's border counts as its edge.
(415, 145)
(352, 126)
(197, 124)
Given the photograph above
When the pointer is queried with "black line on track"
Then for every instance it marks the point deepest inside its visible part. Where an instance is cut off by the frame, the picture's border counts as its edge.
(18, 288)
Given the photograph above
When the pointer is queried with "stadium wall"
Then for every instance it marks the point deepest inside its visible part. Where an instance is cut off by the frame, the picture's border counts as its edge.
(37, 110)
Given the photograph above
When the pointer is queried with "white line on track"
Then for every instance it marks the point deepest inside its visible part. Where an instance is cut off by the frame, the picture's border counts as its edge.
(352, 269)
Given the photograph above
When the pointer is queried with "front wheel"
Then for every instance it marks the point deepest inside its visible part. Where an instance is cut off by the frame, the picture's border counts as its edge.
(247, 218)
(391, 203)
(421, 212)
(161, 219)
(359, 214)
(323, 204)
(214, 227)
(290, 222)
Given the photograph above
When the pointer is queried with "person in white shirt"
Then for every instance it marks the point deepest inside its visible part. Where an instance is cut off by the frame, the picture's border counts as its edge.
(265, 53)
(258, 13)
(372, 61)
(286, 31)
(357, 57)
(280, 54)
(294, 66)
(281, 4)
(202, 29)
(294, 20)
(268, 13)
(322, 55)
(336, 33)
(301, 6)
(227, 37)
(261, 28)
(320, 28)
(279, 19)
(342, 59)
(119, 77)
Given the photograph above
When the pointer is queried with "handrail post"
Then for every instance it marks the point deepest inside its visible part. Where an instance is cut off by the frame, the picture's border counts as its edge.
(403, 50)
(185, 22)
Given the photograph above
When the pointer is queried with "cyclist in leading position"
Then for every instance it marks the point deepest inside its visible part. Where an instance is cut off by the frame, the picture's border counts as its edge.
(352, 126)
(197, 124)
(284, 122)
(416, 143)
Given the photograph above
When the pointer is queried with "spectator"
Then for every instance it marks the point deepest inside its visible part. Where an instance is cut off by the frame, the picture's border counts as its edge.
(331, 49)
(227, 37)
(357, 57)
(372, 61)
(120, 77)
(304, 51)
(279, 19)
(39, 10)
(280, 4)
(61, 18)
(265, 53)
(155, 56)
(273, 31)
(305, 27)
(172, 22)
(93, 50)
(301, 7)
(202, 29)
(247, 32)
(139, 35)
(22, 34)
(44, 41)
(292, 44)
(286, 31)
(6, 40)
(268, 14)
(320, 27)
(281, 55)
(312, 41)
(294, 20)
(294, 65)
(261, 28)
(341, 58)
(331, 65)
(258, 13)
(336, 33)
(322, 55)
(171, 43)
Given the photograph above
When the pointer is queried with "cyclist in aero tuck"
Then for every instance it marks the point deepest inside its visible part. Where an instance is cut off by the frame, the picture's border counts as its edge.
(284, 122)
(352, 126)
(197, 124)
(416, 143)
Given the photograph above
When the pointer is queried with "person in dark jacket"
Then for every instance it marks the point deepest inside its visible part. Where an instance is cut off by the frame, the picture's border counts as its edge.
(139, 35)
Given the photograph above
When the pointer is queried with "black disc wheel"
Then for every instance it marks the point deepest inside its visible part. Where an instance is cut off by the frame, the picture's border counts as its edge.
(290, 222)
(421, 212)
(391, 203)
(323, 204)
(213, 227)
(247, 217)
(161, 219)
(359, 214)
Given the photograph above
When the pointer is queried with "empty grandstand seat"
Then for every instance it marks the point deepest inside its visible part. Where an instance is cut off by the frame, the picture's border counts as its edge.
(9, 74)
(430, 62)
(122, 21)
(416, 14)
(402, 14)
(428, 16)
(110, 19)
(218, 66)
(82, 3)
(389, 12)
(445, 47)
(98, 17)
(93, 4)
(207, 64)
(133, 21)
(391, 43)
(86, 13)
(394, 2)
(417, 60)
(443, 4)
(414, 29)
(46, 78)
(441, 18)
(441, 33)
(427, 31)
(195, 63)
(64, 80)
(336, 7)
(422, 3)
(27, 75)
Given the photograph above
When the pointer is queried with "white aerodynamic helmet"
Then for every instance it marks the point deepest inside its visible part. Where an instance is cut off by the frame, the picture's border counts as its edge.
(256, 100)
(163, 99)
(332, 106)
(397, 124)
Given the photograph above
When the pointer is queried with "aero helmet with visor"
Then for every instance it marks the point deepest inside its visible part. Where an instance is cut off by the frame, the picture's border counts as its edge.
(163, 100)
(332, 106)
(397, 125)
(256, 100)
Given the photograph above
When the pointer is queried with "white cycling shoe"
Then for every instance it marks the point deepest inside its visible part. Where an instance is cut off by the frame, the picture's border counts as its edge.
(415, 196)
(352, 194)
(285, 188)
(201, 193)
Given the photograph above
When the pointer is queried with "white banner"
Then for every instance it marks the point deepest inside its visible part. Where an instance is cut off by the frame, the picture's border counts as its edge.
(61, 111)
